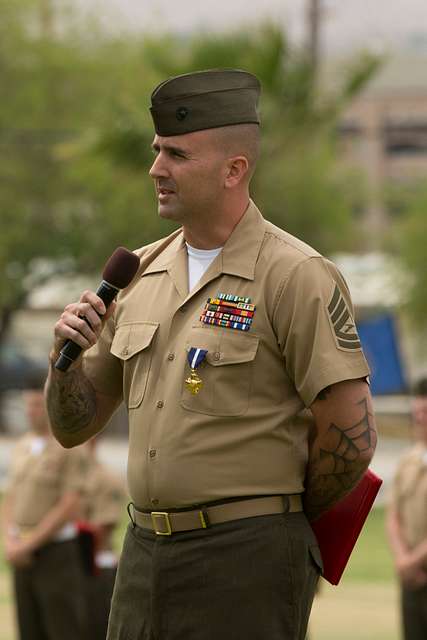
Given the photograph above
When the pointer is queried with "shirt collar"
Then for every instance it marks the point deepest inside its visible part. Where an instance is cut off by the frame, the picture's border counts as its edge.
(240, 252)
(238, 256)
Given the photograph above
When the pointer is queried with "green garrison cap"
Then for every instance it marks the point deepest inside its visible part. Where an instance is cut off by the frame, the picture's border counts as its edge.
(205, 100)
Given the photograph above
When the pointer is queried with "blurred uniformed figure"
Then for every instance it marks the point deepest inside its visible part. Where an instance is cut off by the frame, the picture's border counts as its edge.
(40, 505)
(231, 327)
(407, 523)
(104, 500)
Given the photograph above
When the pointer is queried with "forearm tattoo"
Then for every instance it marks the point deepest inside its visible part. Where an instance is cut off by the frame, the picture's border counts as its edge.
(71, 402)
(339, 463)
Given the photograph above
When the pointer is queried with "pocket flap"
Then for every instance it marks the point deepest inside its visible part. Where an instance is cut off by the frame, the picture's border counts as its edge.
(131, 338)
(225, 348)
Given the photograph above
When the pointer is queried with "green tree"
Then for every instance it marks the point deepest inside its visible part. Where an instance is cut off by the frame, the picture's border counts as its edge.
(59, 198)
(409, 241)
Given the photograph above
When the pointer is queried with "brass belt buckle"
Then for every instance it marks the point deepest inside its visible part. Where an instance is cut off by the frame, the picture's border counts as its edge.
(155, 515)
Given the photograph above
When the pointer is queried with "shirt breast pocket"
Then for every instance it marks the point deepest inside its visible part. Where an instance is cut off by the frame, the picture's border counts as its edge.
(226, 373)
(132, 344)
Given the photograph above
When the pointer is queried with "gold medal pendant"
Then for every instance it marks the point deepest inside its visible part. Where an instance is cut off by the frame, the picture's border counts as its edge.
(194, 383)
(195, 357)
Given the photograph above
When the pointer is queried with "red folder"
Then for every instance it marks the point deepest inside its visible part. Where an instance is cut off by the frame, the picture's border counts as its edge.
(338, 529)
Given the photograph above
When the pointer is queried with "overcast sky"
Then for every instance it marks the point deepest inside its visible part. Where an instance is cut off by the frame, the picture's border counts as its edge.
(347, 24)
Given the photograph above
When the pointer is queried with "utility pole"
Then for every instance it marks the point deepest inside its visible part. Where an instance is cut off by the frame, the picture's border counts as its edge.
(313, 33)
(46, 19)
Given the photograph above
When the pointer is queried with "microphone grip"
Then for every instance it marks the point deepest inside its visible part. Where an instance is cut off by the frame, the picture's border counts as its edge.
(71, 351)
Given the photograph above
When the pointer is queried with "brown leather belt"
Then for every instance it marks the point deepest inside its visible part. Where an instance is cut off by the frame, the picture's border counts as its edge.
(165, 523)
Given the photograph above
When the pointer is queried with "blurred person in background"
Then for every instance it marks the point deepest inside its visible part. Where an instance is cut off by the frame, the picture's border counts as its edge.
(41, 503)
(231, 327)
(103, 504)
(407, 523)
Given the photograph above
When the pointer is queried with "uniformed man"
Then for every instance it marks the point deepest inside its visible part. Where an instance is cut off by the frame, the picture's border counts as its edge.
(229, 329)
(407, 523)
(40, 540)
(103, 504)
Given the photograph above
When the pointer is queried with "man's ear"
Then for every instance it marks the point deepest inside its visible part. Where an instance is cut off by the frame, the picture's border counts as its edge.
(237, 169)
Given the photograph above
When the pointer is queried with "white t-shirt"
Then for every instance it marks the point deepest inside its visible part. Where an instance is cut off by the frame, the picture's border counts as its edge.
(198, 262)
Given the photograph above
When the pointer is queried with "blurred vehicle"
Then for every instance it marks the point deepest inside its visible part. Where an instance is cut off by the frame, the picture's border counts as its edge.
(16, 369)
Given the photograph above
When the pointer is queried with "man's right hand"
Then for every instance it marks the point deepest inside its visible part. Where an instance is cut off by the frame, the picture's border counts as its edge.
(81, 322)
(76, 410)
(17, 553)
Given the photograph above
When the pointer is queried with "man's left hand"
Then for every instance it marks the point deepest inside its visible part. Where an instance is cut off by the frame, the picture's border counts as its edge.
(18, 553)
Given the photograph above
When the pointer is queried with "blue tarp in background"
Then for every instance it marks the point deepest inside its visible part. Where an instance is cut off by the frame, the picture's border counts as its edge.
(381, 346)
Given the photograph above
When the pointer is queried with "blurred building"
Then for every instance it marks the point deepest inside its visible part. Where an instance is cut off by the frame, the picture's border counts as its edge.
(384, 131)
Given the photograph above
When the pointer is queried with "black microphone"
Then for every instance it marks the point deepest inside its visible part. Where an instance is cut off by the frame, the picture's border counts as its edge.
(119, 271)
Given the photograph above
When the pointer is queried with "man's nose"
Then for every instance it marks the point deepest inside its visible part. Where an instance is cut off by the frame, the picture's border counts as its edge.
(158, 168)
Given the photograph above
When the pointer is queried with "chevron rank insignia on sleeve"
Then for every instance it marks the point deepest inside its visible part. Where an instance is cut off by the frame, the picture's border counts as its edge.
(342, 322)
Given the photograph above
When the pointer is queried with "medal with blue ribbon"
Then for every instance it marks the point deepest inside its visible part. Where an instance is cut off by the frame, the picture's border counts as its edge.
(195, 358)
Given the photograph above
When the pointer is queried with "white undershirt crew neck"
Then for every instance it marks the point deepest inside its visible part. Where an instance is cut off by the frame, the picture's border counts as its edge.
(199, 261)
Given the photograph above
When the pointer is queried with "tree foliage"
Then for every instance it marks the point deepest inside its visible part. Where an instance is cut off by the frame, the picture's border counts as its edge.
(59, 198)
(409, 241)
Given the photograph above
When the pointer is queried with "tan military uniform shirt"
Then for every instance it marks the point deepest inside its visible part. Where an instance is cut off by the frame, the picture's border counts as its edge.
(39, 478)
(104, 496)
(237, 436)
(409, 495)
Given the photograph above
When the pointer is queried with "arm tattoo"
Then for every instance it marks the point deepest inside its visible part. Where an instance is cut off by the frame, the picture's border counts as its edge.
(71, 402)
(340, 462)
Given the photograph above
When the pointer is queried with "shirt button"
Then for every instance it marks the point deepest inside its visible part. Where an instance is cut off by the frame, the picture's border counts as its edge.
(154, 502)
(152, 453)
(171, 356)
(125, 351)
(217, 355)
(160, 404)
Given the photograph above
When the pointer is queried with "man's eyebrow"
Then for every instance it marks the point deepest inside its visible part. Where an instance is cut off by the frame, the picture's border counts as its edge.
(170, 148)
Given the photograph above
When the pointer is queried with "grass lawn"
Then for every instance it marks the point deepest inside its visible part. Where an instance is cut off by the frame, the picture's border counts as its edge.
(371, 559)
(363, 607)
(365, 604)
